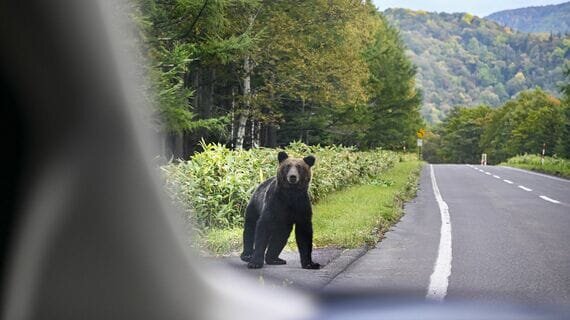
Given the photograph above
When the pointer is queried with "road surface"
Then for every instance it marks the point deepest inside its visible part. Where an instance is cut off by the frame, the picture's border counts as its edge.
(505, 237)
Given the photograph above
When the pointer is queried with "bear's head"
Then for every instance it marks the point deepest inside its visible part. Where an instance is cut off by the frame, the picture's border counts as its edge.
(294, 172)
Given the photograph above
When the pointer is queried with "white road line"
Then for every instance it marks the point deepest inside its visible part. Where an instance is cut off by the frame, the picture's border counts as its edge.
(480, 170)
(508, 181)
(549, 199)
(439, 279)
(496, 176)
(488, 173)
(525, 188)
(537, 174)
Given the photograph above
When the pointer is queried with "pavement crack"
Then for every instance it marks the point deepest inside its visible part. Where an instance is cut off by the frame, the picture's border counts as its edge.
(340, 264)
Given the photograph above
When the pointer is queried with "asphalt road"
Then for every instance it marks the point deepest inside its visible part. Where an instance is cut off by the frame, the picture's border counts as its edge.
(509, 236)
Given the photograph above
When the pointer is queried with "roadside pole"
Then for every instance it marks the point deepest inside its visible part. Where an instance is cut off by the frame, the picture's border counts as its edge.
(421, 132)
(543, 152)
(483, 159)
(420, 143)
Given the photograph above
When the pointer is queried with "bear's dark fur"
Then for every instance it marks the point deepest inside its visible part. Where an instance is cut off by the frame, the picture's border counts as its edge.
(276, 205)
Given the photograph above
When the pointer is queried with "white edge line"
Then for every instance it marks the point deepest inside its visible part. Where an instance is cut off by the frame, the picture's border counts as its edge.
(496, 176)
(508, 181)
(439, 279)
(537, 174)
(525, 188)
(549, 199)
(488, 173)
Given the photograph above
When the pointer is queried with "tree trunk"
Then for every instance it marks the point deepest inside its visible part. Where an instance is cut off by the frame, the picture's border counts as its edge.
(233, 131)
(255, 133)
(247, 98)
(203, 79)
(177, 146)
(241, 131)
(303, 113)
(270, 139)
(203, 82)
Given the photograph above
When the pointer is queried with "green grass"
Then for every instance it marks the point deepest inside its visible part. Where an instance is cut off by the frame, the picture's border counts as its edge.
(553, 166)
(349, 218)
(360, 214)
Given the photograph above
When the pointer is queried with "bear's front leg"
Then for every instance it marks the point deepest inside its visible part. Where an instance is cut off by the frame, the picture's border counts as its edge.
(262, 234)
(277, 242)
(304, 237)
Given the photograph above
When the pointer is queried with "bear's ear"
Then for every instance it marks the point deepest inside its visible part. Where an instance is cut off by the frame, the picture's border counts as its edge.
(282, 156)
(310, 160)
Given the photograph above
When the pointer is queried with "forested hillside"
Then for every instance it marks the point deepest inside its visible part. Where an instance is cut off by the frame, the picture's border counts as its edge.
(550, 19)
(254, 73)
(464, 60)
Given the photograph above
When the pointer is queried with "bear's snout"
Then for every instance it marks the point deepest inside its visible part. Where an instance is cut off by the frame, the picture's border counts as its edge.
(292, 179)
(293, 175)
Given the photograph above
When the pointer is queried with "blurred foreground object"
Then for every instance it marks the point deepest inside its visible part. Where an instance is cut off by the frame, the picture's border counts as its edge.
(86, 233)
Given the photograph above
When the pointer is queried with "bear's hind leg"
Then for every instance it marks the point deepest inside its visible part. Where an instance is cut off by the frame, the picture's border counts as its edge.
(276, 244)
(251, 217)
(263, 232)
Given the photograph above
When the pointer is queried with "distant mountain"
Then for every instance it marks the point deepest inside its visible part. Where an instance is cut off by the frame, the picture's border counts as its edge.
(464, 60)
(552, 18)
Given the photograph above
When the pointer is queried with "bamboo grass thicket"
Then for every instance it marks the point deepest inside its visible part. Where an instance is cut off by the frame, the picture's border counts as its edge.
(214, 187)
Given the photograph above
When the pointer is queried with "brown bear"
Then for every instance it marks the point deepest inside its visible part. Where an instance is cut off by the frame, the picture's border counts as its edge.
(276, 205)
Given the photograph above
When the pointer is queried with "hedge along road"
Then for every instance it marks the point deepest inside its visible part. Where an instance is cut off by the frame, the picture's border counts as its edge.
(507, 243)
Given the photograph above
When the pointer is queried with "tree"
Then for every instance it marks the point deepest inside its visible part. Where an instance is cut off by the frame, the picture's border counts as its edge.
(395, 101)
(523, 125)
(461, 134)
(270, 72)
(563, 146)
(185, 43)
(310, 66)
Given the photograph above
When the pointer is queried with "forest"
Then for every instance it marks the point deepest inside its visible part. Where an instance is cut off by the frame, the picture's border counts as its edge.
(551, 18)
(525, 125)
(265, 73)
(464, 60)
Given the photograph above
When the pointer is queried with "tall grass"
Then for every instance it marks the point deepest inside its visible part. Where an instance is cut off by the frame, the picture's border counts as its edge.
(554, 166)
(216, 184)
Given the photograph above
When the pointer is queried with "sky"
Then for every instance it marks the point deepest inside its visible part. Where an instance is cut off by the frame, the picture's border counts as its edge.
(480, 8)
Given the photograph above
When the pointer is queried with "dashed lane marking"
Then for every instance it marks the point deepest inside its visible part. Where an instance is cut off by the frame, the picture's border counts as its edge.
(549, 199)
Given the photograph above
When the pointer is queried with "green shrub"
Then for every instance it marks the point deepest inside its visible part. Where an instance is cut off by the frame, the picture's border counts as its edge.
(216, 184)
(555, 166)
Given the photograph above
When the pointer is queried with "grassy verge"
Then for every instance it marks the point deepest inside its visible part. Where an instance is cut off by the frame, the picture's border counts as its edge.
(349, 218)
(554, 166)
(360, 214)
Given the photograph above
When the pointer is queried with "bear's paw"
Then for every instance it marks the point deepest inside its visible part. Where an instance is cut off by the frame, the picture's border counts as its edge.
(275, 261)
(312, 265)
(245, 257)
(254, 265)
